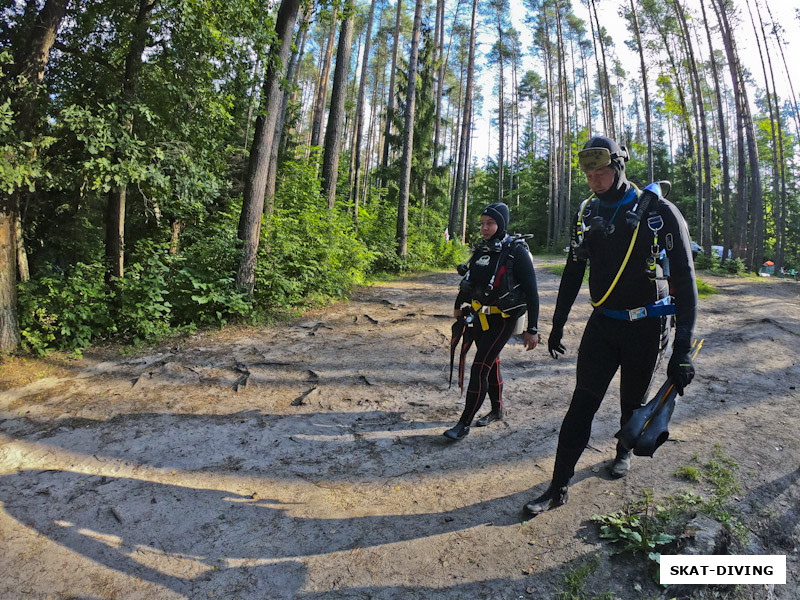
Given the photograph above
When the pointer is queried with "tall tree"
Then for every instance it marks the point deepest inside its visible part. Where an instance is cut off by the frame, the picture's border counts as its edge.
(333, 132)
(25, 77)
(256, 182)
(726, 176)
(647, 120)
(462, 162)
(704, 171)
(318, 114)
(390, 95)
(117, 197)
(408, 137)
(744, 117)
(778, 160)
(353, 184)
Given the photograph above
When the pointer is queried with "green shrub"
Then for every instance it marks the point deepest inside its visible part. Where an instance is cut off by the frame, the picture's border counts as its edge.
(201, 284)
(143, 312)
(704, 263)
(307, 251)
(734, 266)
(65, 311)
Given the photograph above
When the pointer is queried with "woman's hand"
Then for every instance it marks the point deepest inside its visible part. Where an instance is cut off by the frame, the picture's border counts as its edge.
(531, 340)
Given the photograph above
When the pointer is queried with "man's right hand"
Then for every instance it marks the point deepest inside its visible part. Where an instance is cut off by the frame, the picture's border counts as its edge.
(554, 345)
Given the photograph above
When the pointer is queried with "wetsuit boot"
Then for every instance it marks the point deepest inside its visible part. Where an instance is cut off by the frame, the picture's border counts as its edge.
(622, 463)
(554, 497)
(558, 492)
(495, 392)
(490, 418)
(457, 432)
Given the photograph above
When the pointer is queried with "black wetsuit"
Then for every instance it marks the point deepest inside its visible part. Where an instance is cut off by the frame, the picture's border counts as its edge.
(485, 372)
(610, 343)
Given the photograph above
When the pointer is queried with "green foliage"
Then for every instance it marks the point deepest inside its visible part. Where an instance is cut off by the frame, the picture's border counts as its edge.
(201, 283)
(705, 289)
(646, 525)
(65, 311)
(635, 528)
(307, 251)
(575, 583)
(734, 266)
(704, 263)
(143, 309)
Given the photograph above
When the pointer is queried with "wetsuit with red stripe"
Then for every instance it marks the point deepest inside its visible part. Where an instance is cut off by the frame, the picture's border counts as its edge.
(485, 377)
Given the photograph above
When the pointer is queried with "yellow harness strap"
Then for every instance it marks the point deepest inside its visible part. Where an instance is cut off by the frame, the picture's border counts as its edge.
(621, 269)
(482, 311)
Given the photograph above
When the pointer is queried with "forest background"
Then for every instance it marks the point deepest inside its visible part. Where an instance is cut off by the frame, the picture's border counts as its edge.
(173, 164)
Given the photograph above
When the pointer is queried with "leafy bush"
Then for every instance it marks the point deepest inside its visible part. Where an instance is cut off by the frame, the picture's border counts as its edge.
(704, 263)
(307, 251)
(734, 266)
(143, 312)
(201, 283)
(65, 311)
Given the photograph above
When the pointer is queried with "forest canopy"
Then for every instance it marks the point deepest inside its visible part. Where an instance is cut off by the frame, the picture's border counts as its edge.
(174, 164)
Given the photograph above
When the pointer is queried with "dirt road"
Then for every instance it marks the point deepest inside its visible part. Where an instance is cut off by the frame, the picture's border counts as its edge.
(307, 461)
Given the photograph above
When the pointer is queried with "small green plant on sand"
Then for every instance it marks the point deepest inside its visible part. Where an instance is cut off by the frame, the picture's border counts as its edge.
(575, 581)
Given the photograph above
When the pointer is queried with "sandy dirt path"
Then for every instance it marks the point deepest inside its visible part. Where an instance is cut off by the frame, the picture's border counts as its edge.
(306, 460)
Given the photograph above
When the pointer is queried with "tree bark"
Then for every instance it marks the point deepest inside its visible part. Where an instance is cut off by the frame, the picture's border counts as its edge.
(333, 132)
(359, 124)
(28, 71)
(726, 178)
(647, 121)
(279, 138)
(322, 86)
(256, 183)
(462, 167)
(390, 99)
(408, 137)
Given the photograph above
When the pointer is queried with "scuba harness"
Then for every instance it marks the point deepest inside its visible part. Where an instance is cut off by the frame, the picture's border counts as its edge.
(510, 302)
(633, 217)
(504, 298)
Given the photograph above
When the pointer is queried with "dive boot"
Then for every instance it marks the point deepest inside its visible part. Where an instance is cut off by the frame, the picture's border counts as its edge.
(621, 465)
(457, 432)
(547, 501)
(490, 418)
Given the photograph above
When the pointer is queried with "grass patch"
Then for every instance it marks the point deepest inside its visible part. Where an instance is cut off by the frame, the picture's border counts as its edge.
(575, 582)
(705, 289)
(689, 473)
(647, 526)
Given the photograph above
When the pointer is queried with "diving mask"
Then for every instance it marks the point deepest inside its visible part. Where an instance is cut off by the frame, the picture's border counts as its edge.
(590, 159)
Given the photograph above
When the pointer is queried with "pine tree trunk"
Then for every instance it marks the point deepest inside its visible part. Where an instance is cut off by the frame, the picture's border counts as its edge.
(408, 137)
(256, 183)
(279, 137)
(333, 132)
(362, 87)
(647, 121)
(390, 99)
(322, 85)
(726, 181)
(463, 166)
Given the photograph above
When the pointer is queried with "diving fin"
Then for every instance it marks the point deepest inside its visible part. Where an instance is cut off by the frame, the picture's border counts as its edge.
(632, 430)
(657, 431)
(457, 331)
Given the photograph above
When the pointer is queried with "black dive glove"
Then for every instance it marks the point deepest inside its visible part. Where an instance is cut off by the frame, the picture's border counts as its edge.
(680, 369)
(554, 345)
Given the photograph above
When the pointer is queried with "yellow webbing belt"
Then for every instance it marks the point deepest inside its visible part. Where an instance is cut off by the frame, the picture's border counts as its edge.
(493, 310)
(621, 269)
